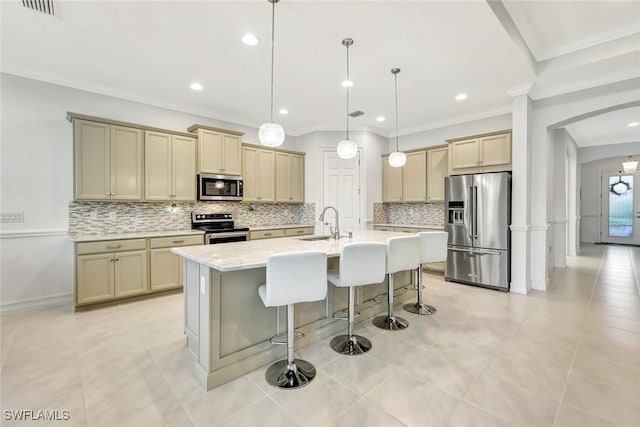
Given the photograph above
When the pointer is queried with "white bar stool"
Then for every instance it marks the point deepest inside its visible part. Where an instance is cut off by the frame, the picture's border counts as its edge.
(403, 253)
(293, 277)
(360, 264)
(433, 248)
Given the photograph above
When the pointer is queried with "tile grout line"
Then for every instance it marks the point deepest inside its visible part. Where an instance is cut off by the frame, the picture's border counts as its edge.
(575, 351)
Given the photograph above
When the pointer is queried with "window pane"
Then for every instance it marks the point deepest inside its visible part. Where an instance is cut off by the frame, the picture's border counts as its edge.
(621, 206)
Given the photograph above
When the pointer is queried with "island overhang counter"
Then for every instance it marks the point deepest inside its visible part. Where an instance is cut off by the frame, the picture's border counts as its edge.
(228, 328)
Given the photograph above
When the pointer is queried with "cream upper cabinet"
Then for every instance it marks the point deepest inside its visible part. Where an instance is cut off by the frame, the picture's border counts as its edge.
(108, 161)
(408, 183)
(259, 174)
(289, 177)
(169, 167)
(483, 153)
(219, 151)
(414, 179)
(437, 170)
(391, 182)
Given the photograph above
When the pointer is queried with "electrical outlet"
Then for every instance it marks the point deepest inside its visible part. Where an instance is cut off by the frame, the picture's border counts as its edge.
(411, 211)
(12, 217)
(93, 215)
(112, 215)
(202, 285)
(285, 212)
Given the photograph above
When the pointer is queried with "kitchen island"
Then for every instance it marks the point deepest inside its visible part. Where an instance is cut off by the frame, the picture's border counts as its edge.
(227, 326)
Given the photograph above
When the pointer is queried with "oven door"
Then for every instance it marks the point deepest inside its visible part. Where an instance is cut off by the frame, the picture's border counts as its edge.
(234, 236)
(219, 187)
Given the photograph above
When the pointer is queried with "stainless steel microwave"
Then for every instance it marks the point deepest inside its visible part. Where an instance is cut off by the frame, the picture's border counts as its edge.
(219, 187)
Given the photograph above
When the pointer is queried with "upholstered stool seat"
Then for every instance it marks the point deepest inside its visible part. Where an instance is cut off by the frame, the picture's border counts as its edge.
(360, 264)
(403, 253)
(433, 248)
(292, 278)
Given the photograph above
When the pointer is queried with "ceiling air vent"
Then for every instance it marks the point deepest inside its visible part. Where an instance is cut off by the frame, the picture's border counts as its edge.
(44, 6)
(356, 113)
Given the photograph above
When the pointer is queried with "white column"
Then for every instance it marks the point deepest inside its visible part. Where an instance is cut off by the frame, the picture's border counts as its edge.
(573, 201)
(520, 192)
(541, 193)
(558, 176)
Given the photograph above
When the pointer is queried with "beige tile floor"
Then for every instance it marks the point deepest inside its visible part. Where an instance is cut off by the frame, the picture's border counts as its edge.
(568, 357)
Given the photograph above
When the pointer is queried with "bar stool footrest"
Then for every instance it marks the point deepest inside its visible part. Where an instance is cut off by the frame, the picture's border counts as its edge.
(282, 338)
(344, 314)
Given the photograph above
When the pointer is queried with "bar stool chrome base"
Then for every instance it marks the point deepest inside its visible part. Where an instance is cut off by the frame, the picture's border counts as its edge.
(351, 346)
(390, 323)
(418, 308)
(290, 376)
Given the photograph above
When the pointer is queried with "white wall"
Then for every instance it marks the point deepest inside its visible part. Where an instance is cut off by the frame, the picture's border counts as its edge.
(590, 186)
(36, 177)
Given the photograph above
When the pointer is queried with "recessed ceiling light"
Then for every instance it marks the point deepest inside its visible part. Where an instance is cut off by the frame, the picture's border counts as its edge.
(283, 111)
(195, 86)
(380, 119)
(633, 124)
(461, 97)
(347, 83)
(249, 39)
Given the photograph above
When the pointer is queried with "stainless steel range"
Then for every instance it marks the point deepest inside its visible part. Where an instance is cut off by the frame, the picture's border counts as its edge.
(218, 228)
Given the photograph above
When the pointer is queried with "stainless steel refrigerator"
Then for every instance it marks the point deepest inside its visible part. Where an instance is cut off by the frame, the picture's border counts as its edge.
(478, 216)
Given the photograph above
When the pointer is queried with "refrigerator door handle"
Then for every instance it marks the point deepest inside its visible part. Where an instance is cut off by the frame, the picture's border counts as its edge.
(476, 251)
(475, 210)
(471, 212)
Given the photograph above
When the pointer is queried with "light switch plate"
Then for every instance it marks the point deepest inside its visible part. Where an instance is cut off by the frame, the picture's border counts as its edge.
(12, 217)
(202, 285)
(112, 215)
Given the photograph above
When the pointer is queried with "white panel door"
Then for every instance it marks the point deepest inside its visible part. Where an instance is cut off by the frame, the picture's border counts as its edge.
(341, 189)
(620, 208)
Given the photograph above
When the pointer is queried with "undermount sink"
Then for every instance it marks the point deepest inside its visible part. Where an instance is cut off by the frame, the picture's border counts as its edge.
(315, 237)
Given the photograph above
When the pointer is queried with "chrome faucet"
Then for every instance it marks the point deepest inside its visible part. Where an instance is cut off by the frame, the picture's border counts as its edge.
(336, 232)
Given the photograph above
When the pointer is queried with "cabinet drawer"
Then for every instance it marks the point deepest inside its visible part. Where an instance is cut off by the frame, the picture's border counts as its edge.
(170, 242)
(302, 231)
(407, 230)
(382, 228)
(266, 234)
(111, 246)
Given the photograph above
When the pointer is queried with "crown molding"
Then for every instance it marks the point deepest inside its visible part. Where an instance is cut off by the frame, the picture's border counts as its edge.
(524, 89)
(538, 93)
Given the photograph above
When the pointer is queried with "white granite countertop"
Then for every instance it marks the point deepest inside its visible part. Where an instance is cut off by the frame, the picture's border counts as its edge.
(79, 237)
(274, 227)
(432, 226)
(254, 253)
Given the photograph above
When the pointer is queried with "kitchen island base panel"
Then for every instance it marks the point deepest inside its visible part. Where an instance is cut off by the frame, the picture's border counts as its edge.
(228, 328)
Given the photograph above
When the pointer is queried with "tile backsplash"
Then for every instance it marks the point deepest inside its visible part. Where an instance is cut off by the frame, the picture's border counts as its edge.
(96, 217)
(408, 213)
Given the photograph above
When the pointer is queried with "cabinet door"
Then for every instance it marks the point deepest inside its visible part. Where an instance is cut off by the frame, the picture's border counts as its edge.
(414, 181)
(391, 182)
(266, 175)
(496, 150)
(126, 163)
(283, 177)
(95, 280)
(92, 160)
(209, 151)
(231, 155)
(250, 173)
(297, 178)
(183, 168)
(157, 171)
(465, 154)
(130, 273)
(166, 269)
(437, 170)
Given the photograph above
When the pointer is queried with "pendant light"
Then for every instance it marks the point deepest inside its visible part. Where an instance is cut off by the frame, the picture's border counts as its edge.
(397, 159)
(271, 134)
(347, 148)
(629, 166)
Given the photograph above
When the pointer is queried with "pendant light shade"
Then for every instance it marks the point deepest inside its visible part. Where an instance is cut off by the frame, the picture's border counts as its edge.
(397, 159)
(347, 148)
(630, 166)
(271, 134)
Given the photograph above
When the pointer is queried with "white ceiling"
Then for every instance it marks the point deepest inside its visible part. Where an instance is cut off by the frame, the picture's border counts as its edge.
(607, 128)
(152, 51)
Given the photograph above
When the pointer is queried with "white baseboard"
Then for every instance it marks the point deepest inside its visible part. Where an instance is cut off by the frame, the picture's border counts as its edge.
(39, 302)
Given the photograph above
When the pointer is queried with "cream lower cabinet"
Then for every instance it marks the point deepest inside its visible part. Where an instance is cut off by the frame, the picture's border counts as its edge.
(108, 161)
(289, 177)
(259, 174)
(483, 153)
(105, 276)
(165, 266)
(408, 183)
(170, 167)
(437, 170)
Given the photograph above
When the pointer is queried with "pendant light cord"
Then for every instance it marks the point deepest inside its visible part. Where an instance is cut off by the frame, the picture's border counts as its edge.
(395, 77)
(348, 92)
(273, 19)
